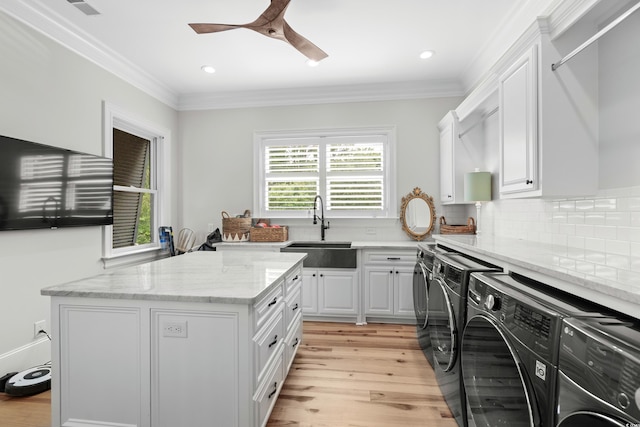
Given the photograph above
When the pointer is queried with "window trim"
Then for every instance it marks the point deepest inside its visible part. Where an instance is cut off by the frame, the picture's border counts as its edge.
(389, 173)
(160, 137)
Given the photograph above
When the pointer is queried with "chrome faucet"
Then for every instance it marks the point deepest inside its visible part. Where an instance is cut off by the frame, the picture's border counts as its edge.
(321, 217)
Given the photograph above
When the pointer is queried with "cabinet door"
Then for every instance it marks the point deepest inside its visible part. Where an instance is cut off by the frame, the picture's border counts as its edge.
(309, 291)
(337, 292)
(378, 291)
(446, 163)
(518, 125)
(403, 293)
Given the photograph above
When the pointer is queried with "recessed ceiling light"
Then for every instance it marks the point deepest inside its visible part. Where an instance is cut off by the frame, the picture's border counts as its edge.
(312, 63)
(426, 54)
(208, 69)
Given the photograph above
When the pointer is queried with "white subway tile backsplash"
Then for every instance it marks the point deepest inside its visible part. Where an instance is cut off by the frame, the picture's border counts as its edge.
(601, 233)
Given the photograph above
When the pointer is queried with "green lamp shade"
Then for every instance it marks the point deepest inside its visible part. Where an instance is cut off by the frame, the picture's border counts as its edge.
(477, 186)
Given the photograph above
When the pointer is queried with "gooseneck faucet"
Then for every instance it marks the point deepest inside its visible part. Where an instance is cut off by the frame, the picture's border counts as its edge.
(321, 217)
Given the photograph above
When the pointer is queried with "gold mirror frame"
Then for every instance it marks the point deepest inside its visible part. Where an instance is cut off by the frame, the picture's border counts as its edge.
(417, 195)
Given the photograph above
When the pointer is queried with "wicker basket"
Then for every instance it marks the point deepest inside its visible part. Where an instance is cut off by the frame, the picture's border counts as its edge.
(469, 228)
(269, 234)
(236, 229)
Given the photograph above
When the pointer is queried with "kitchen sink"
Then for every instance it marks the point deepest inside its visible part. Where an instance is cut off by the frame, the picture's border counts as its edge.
(325, 254)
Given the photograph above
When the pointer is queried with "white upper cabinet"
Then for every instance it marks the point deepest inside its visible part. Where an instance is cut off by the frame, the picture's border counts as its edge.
(547, 136)
(518, 142)
(455, 160)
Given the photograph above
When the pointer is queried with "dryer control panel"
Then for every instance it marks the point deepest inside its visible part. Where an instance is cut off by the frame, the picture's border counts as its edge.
(605, 365)
(529, 322)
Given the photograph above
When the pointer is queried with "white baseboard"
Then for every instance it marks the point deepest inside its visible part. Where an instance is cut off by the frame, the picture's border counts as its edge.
(33, 354)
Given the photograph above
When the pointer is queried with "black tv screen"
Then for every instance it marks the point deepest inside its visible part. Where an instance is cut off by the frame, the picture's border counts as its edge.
(49, 187)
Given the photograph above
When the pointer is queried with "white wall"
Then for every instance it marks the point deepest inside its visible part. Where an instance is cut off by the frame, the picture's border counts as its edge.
(217, 158)
(52, 96)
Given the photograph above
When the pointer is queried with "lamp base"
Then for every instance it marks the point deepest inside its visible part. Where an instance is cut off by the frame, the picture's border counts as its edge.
(478, 206)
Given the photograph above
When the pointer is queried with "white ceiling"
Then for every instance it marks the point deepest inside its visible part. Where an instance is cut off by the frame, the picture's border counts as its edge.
(372, 44)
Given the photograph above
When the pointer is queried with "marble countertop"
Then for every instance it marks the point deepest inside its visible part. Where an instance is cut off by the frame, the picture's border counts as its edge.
(571, 269)
(356, 244)
(229, 277)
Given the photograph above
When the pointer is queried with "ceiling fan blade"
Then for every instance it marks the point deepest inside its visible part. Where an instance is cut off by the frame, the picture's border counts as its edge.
(212, 28)
(275, 10)
(307, 48)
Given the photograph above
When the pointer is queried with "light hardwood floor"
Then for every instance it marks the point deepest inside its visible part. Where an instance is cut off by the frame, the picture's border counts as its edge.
(364, 376)
(343, 376)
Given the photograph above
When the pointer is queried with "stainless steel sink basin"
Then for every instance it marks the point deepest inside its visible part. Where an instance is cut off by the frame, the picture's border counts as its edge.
(325, 254)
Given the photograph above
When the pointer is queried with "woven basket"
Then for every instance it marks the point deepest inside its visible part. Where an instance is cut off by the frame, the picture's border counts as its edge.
(469, 228)
(236, 229)
(269, 234)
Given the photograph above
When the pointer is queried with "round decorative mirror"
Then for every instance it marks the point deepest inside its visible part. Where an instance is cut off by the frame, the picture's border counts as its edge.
(417, 214)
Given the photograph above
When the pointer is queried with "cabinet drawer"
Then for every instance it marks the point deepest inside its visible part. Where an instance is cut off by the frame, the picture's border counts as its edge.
(267, 306)
(268, 391)
(293, 342)
(389, 257)
(267, 342)
(293, 306)
(292, 280)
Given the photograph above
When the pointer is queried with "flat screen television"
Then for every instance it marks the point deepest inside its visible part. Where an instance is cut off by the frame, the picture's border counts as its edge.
(49, 187)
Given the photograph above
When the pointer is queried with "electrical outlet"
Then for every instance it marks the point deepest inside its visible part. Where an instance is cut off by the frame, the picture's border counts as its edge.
(174, 329)
(38, 326)
(210, 227)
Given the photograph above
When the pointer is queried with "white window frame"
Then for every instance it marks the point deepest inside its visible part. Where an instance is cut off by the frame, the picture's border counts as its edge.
(262, 138)
(116, 117)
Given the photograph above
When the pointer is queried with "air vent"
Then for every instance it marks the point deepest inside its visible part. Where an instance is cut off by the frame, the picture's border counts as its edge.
(84, 7)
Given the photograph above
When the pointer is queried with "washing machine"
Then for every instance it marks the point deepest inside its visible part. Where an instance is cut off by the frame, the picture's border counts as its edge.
(447, 304)
(422, 274)
(599, 373)
(510, 349)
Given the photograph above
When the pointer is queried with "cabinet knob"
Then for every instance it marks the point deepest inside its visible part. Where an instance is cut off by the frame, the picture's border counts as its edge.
(449, 196)
(313, 275)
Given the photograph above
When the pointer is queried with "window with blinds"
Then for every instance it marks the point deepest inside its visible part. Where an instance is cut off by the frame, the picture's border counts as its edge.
(350, 171)
(133, 193)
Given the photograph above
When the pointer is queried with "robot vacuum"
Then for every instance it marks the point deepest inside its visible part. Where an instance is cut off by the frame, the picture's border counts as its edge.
(31, 381)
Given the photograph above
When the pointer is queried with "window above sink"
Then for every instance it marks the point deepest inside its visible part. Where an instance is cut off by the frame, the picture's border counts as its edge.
(352, 169)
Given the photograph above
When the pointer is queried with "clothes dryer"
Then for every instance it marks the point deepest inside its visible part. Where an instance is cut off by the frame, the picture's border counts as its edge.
(447, 307)
(510, 349)
(422, 275)
(599, 373)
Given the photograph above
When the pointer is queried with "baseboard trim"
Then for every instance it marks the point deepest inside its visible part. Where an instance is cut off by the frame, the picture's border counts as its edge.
(27, 356)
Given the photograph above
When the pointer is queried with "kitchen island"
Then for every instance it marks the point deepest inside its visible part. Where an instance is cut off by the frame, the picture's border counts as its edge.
(202, 339)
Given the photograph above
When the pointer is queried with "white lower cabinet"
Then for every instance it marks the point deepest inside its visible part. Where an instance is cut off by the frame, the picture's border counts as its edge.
(167, 364)
(330, 292)
(388, 284)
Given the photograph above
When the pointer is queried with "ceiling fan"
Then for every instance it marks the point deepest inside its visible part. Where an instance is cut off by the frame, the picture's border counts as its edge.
(271, 23)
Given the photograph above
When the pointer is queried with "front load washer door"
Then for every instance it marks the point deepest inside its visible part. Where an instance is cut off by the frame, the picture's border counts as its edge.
(592, 419)
(420, 278)
(496, 388)
(442, 326)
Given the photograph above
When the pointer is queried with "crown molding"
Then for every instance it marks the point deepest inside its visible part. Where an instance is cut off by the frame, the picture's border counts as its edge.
(71, 37)
(321, 95)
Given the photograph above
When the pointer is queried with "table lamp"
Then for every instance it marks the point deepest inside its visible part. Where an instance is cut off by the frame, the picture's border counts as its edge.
(477, 188)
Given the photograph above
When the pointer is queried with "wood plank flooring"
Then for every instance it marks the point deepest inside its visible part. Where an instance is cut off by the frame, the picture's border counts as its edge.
(360, 376)
(343, 376)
